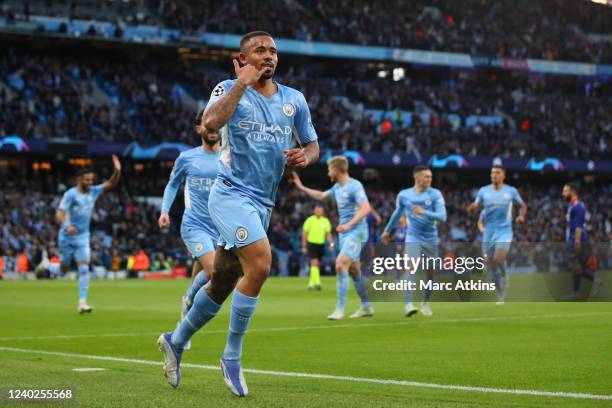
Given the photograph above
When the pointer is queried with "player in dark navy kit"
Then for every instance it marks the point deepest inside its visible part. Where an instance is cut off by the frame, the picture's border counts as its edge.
(577, 239)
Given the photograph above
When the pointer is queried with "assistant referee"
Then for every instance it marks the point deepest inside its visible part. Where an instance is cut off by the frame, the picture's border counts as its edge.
(316, 230)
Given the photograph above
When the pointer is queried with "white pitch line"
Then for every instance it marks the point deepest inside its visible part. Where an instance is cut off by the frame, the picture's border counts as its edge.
(318, 327)
(87, 370)
(539, 393)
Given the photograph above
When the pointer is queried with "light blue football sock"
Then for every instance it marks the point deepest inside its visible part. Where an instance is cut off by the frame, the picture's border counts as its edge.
(409, 293)
(203, 309)
(83, 281)
(427, 292)
(243, 307)
(359, 284)
(199, 281)
(342, 284)
(500, 279)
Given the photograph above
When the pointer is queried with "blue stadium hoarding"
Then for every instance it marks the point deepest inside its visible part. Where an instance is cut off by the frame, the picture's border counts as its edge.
(169, 151)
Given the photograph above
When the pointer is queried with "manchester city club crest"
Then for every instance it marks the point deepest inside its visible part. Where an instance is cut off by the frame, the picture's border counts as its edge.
(198, 247)
(288, 109)
(427, 202)
(241, 234)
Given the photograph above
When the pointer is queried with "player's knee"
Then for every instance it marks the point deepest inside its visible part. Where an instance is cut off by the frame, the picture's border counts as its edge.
(261, 266)
(342, 264)
(314, 262)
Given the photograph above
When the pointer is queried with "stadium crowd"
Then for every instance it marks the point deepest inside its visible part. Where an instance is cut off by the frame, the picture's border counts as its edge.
(140, 100)
(504, 29)
(125, 221)
(545, 29)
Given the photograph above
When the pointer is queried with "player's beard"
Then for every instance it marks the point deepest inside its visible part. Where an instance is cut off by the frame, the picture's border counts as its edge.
(210, 142)
(268, 75)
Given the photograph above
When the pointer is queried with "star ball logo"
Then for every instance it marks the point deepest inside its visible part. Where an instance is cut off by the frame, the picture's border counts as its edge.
(218, 91)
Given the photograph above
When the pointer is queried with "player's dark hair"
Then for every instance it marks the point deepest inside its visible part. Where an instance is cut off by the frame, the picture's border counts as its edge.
(84, 171)
(574, 187)
(245, 38)
(499, 166)
(419, 168)
(199, 116)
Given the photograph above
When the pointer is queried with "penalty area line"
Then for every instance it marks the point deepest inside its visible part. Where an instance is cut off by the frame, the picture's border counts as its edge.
(486, 390)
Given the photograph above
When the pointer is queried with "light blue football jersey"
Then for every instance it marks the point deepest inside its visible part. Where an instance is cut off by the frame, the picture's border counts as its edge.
(497, 206)
(256, 135)
(78, 208)
(198, 169)
(348, 198)
(424, 227)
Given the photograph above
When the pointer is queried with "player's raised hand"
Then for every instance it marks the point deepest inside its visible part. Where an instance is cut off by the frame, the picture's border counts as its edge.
(520, 219)
(296, 157)
(116, 163)
(472, 208)
(164, 221)
(247, 74)
(296, 180)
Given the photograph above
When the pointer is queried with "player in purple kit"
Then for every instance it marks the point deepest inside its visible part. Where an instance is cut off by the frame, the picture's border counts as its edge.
(577, 239)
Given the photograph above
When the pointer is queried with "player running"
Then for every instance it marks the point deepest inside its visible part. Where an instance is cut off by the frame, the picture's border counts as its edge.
(577, 239)
(496, 201)
(74, 215)
(424, 208)
(198, 168)
(315, 231)
(353, 208)
(257, 119)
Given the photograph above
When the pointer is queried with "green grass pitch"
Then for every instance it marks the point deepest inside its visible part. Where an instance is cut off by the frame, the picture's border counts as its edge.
(555, 347)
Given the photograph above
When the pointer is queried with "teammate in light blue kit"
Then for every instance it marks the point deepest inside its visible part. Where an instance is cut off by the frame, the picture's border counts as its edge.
(74, 215)
(353, 208)
(424, 208)
(496, 202)
(258, 121)
(198, 168)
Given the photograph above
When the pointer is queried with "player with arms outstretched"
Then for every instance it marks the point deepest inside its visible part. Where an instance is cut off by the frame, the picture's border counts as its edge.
(198, 168)
(257, 119)
(424, 208)
(353, 208)
(74, 215)
(496, 202)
